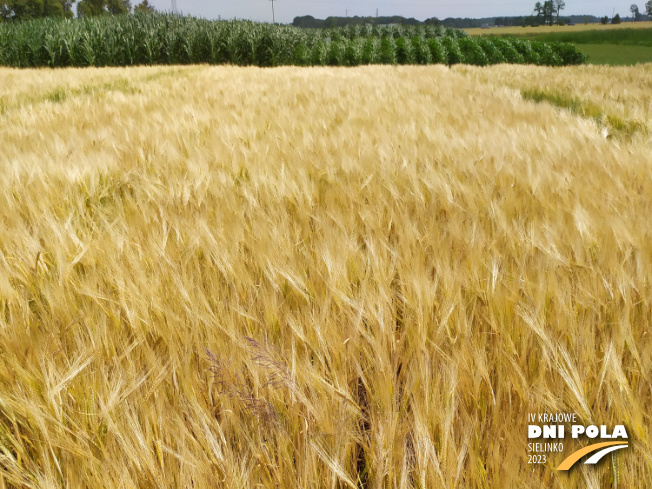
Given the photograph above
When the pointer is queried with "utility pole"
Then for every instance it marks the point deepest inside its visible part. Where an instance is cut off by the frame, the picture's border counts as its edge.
(376, 12)
(273, 18)
(173, 6)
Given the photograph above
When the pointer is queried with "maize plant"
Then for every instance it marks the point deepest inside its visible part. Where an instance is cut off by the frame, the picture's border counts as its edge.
(143, 39)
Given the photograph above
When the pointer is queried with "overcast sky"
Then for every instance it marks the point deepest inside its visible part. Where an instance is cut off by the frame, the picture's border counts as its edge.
(286, 10)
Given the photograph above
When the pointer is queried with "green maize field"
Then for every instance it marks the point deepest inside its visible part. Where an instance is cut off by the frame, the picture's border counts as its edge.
(143, 39)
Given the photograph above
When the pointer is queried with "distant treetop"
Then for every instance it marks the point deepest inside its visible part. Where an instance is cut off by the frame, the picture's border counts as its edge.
(35, 9)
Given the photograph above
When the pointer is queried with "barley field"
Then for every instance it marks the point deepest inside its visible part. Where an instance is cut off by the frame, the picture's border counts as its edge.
(238, 277)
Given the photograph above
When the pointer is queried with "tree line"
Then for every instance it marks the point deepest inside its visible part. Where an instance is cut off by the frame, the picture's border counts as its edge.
(636, 13)
(310, 22)
(548, 12)
(539, 17)
(17, 10)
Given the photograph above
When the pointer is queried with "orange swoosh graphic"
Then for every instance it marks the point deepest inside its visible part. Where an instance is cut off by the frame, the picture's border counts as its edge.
(575, 456)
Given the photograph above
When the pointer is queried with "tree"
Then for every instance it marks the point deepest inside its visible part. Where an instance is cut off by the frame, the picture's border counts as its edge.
(34, 9)
(67, 8)
(145, 7)
(635, 12)
(117, 7)
(92, 8)
(538, 9)
(545, 11)
(605, 19)
(648, 8)
(308, 21)
(559, 5)
(436, 21)
(616, 19)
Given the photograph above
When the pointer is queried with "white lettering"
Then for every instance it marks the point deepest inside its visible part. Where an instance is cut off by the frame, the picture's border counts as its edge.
(592, 431)
(533, 431)
(577, 430)
(549, 431)
(619, 432)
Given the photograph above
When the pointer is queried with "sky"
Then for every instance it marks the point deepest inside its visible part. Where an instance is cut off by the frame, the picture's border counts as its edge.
(286, 10)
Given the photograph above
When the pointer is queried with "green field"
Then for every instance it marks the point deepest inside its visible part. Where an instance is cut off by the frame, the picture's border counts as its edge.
(128, 40)
(616, 54)
(629, 36)
(625, 46)
(518, 30)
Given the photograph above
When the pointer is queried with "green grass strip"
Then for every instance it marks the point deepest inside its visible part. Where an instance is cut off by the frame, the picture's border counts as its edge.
(617, 127)
(627, 37)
